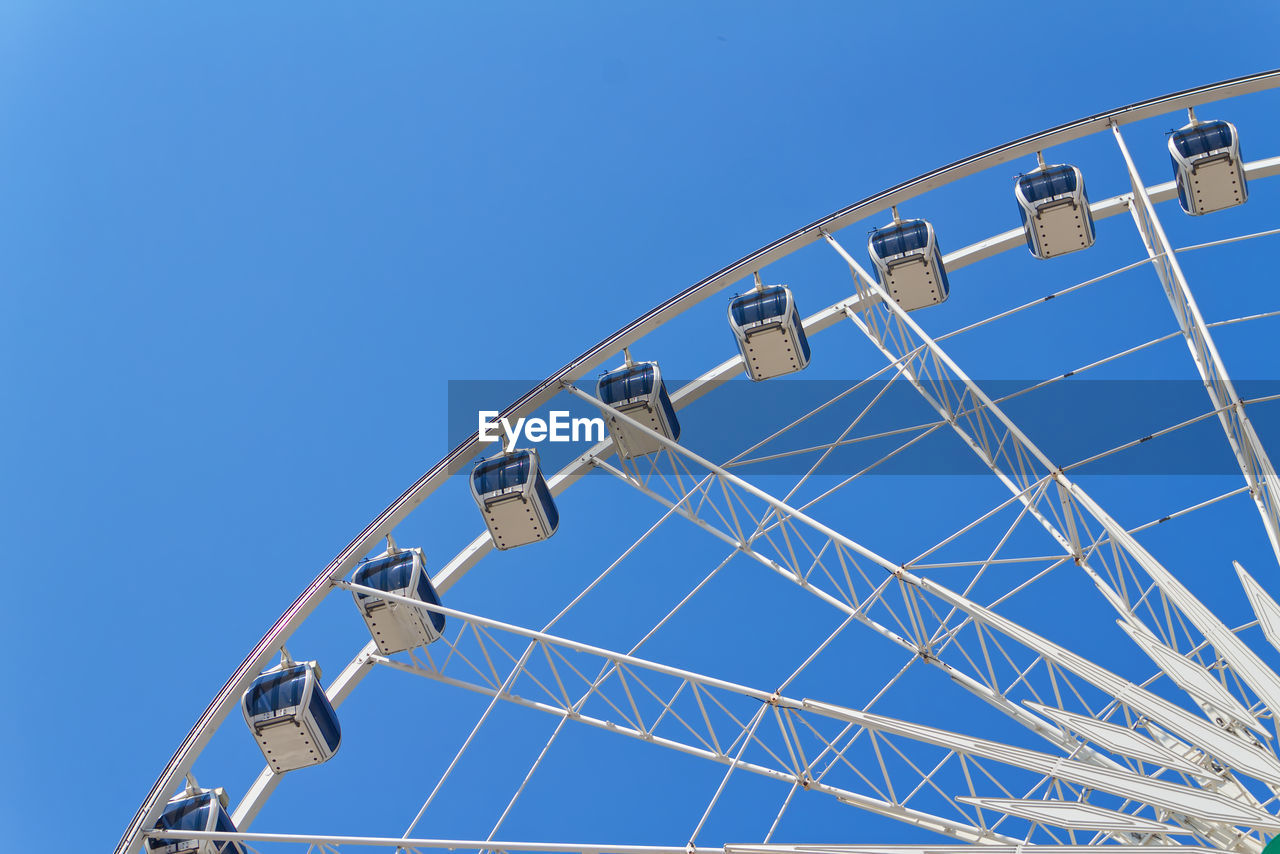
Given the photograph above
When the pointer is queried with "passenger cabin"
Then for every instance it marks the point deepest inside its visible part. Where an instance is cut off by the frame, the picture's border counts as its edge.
(195, 809)
(908, 263)
(397, 626)
(636, 390)
(770, 335)
(1207, 167)
(290, 717)
(1055, 210)
(514, 499)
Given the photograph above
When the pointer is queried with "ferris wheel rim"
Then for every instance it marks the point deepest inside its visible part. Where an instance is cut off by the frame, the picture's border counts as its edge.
(590, 359)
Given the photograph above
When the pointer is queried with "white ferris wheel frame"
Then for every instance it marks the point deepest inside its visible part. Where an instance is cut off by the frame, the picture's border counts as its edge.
(974, 416)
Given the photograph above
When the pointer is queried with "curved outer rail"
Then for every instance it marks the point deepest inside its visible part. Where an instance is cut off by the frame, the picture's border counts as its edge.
(471, 554)
(228, 696)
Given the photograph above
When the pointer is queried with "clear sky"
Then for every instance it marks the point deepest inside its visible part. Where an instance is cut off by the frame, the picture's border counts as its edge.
(243, 249)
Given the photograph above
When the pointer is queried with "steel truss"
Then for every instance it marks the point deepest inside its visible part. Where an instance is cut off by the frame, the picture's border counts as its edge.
(696, 498)
(335, 843)
(1019, 464)
(1111, 781)
(925, 601)
(696, 714)
(645, 480)
(1245, 444)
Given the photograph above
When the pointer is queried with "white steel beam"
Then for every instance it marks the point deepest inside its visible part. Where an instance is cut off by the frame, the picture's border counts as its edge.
(955, 849)
(311, 840)
(922, 645)
(709, 742)
(1217, 701)
(1251, 456)
(925, 650)
(1264, 607)
(1193, 806)
(1121, 740)
(1225, 746)
(813, 324)
(1242, 756)
(1176, 798)
(1074, 815)
(224, 701)
(321, 840)
(1017, 461)
(858, 610)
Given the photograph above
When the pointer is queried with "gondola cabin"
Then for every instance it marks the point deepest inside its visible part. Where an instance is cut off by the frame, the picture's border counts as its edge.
(908, 263)
(195, 809)
(514, 499)
(770, 335)
(636, 390)
(1207, 167)
(1055, 210)
(397, 626)
(291, 718)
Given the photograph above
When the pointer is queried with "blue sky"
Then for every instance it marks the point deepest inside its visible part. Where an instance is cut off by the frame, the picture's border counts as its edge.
(243, 251)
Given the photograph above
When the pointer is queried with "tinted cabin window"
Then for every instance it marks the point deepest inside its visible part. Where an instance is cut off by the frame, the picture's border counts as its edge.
(388, 573)
(943, 283)
(223, 823)
(277, 691)
(501, 473)
(322, 713)
(1202, 139)
(627, 383)
(548, 505)
(897, 239)
(753, 308)
(1026, 229)
(189, 814)
(1051, 182)
(804, 339)
(665, 402)
(427, 593)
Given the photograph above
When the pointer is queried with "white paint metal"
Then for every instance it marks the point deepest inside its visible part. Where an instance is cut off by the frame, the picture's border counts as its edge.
(1264, 607)
(1213, 739)
(1219, 705)
(266, 648)
(1017, 449)
(1264, 484)
(1232, 751)
(1076, 815)
(1121, 740)
(1180, 799)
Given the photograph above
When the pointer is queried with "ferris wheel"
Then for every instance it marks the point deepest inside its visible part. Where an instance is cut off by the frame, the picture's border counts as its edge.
(838, 592)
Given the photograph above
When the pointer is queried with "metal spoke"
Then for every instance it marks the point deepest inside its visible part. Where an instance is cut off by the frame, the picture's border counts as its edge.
(1252, 457)
(1187, 760)
(1149, 705)
(1015, 471)
(1212, 806)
